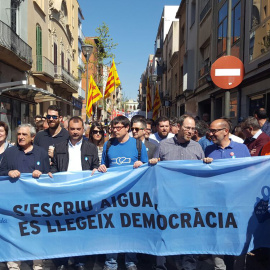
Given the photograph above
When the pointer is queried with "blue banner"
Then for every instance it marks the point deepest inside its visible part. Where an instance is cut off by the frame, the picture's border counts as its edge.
(174, 207)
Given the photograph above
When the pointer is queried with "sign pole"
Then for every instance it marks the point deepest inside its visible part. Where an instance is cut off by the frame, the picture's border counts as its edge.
(228, 50)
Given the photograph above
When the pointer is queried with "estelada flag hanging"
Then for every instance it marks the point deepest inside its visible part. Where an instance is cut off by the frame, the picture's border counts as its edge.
(148, 96)
(93, 96)
(157, 104)
(113, 81)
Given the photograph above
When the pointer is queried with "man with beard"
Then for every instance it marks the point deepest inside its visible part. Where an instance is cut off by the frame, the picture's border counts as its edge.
(53, 135)
(180, 147)
(163, 129)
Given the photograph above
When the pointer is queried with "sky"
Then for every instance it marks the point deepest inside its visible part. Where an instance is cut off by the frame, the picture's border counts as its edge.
(133, 25)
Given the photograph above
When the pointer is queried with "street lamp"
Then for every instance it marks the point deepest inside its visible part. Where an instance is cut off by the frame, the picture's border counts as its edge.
(87, 51)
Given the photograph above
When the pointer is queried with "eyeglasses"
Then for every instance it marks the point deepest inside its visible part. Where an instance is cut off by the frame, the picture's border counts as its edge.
(54, 117)
(98, 131)
(214, 131)
(189, 128)
(118, 128)
(136, 129)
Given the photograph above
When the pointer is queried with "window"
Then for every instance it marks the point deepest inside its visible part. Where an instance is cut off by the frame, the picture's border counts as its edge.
(235, 30)
(39, 47)
(55, 54)
(193, 13)
(222, 29)
(62, 60)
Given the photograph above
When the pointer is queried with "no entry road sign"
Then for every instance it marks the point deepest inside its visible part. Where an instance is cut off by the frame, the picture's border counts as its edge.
(227, 72)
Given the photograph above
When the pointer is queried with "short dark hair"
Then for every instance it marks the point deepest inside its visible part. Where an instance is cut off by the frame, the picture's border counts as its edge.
(55, 108)
(37, 116)
(201, 127)
(140, 120)
(75, 119)
(122, 120)
(135, 117)
(261, 113)
(183, 117)
(150, 122)
(162, 119)
(250, 122)
(174, 121)
(5, 126)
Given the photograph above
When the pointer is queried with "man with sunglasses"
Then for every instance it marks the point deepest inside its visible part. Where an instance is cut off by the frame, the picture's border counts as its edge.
(123, 151)
(138, 130)
(54, 134)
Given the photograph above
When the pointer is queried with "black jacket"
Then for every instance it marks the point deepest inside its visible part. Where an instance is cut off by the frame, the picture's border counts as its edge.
(89, 157)
(11, 159)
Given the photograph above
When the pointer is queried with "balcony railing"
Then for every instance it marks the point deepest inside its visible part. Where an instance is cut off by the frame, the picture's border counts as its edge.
(205, 9)
(42, 64)
(81, 63)
(81, 35)
(10, 40)
(204, 70)
(62, 74)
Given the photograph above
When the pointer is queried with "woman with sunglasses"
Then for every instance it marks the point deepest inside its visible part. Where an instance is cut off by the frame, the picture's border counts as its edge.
(96, 136)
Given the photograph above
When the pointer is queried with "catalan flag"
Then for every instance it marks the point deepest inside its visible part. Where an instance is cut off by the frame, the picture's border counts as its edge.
(113, 81)
(157, 104)
(148, 97)
(93, 96)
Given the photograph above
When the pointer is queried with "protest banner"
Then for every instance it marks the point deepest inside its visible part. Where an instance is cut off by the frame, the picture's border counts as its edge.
(174, 207)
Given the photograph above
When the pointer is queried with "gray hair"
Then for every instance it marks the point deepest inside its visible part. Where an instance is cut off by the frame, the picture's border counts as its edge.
(31, 128)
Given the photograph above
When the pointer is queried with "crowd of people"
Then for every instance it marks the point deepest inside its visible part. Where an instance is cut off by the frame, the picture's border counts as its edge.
(59, 144)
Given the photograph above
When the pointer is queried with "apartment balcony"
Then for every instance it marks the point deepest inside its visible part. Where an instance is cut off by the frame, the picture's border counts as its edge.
(158, 47)
(13, 50)
(81, 93)
(42, 68)
(204, 70)
(65, 80)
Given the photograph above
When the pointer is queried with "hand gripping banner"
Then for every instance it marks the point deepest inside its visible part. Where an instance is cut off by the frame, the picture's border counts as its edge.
(174, 207)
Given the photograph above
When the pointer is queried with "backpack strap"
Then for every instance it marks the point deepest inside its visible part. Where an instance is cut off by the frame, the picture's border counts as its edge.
(139, 148)
(109, 143)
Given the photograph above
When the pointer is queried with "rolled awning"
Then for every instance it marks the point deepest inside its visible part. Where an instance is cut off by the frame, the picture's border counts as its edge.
(31, 93)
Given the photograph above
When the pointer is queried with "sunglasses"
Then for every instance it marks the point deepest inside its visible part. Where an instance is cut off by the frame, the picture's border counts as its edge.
(54, 117)
(98, 131)
(136, 129)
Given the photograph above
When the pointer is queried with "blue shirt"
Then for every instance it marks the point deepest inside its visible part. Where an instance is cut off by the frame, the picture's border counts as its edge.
(233, 150)
(204, 142)
(121, 154)
(266, 128)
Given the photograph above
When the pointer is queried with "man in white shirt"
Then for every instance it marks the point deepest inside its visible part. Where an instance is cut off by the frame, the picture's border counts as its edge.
(163, 129)
(74, 154)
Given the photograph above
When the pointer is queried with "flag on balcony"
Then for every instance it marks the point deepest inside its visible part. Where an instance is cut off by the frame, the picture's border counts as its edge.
(157, 104)
(148, 97)
(113, 81)
(93, 96)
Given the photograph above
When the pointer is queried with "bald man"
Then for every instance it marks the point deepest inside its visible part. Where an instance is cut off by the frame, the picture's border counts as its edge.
(223, 147)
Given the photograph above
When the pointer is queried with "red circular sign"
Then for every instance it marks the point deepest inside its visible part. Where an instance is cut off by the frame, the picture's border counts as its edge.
(227, 72)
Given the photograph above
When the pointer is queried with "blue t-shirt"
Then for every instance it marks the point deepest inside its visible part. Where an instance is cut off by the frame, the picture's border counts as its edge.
(121, 154)
(233, 150)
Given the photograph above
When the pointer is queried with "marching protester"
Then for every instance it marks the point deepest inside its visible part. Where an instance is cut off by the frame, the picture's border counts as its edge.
(25, 158)
(74, 154)
(97, 137)
(174, 125)
(223, 147)
(201, 134)
(180, 147)
(261, 115)
(163, 129)
(48, 138)
(3, 139)
(255, 137)
(138, 130)
(125, 147)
